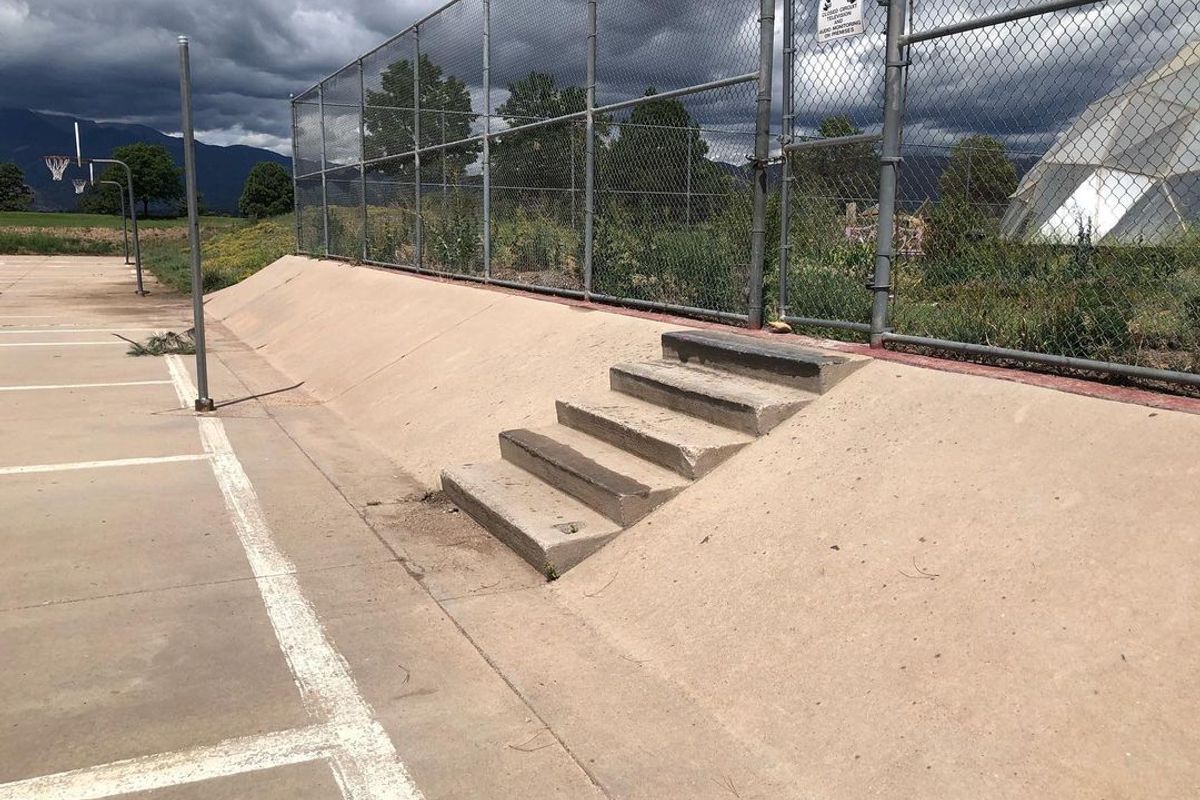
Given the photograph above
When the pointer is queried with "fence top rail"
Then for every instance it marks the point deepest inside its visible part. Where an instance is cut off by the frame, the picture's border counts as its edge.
(991, 20)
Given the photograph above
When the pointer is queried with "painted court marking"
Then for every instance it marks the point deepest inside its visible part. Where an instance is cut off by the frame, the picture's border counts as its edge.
(365, 763)
(49, 386)
(361, 756)
(71, 330)
(116, 462)
(231, 757)
(61, 344)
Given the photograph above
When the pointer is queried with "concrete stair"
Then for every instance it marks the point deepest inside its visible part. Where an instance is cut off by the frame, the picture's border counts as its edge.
(561, 492)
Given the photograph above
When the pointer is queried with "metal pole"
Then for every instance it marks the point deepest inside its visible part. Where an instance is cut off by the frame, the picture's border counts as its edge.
(324, 185)
(137, 245)
(889, 168)
(417, 228)
(124, 219)
(295, 183)
(762, 152)
(589, 158)
(203, 400)
(487, 138)
(362, 151)
(786, 135)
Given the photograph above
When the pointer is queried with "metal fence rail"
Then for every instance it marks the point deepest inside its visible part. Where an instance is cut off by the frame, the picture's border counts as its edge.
(1034, 192)
(496, 141)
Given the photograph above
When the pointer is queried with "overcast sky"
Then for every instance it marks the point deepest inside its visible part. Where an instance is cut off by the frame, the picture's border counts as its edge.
(110, 60)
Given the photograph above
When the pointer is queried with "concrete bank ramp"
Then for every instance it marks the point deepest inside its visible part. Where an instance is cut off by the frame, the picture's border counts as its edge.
(428, 370)
(933, 585)
(924, 585)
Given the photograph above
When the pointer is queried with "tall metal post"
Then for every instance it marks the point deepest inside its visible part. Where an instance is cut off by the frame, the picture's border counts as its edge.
(889, 168)
(362, 151)
(324, 162)
(589, 157)
(295, 183)
(124, 219)
(762, 152)
(203, 400)
(487, 138)
(786, 135)
(418, 226)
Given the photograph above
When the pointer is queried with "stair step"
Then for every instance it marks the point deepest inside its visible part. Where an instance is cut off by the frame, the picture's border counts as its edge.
(722, 398)
(549, 529)
(669, 438)
(774, 360)
(610, 480)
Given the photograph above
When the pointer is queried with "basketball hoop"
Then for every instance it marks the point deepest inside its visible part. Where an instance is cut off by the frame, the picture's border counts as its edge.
(80, 185)
(58, 166)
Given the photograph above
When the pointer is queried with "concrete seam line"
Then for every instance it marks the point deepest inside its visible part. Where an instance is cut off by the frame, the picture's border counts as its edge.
(33, 469)
(365, 762)
(48, 386)
(162, 770)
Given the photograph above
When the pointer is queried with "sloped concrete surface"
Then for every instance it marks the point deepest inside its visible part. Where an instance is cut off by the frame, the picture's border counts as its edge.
(925, 585)
(934, 585)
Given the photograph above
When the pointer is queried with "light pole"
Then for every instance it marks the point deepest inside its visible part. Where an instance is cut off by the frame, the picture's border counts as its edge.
(204, 401)
(124, 220)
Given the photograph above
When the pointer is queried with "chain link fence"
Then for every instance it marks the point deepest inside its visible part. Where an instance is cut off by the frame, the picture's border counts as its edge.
(613, 149)
(1046, 168)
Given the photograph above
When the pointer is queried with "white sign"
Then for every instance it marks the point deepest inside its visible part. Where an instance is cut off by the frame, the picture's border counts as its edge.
(837, 19)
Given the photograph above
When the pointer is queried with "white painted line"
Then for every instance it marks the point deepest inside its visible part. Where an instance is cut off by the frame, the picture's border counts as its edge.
(118, 462)
(231, 757)
(14, 332)
(49, 386)
(59, 344)
(365, 762)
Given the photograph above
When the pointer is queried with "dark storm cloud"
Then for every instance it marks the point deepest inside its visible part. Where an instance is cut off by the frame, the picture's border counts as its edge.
(111, 60)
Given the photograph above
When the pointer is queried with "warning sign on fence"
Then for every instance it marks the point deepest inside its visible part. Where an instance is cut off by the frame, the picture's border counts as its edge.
(839, 18)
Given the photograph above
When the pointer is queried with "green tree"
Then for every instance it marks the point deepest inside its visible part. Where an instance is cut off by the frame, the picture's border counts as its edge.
(659, 155)
(156, 179)
(842, 173)
(267, 191)
(979, 174)
(446, 116)
(551, 156)
(102, 198)
(15, 194)
(973, 192)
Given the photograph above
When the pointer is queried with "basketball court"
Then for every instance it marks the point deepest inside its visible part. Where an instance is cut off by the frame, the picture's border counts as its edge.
(189, 607)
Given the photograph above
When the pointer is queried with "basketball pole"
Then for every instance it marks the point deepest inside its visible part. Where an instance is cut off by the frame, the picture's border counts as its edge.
(203, 400)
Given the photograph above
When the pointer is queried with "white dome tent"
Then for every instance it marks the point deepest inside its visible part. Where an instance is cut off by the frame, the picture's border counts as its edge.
(1128, 168)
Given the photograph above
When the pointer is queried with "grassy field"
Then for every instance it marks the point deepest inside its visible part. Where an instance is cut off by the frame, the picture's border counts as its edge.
(50, 219)
(233, 248)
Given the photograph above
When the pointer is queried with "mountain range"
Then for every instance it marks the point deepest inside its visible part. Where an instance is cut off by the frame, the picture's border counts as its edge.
(26, 137)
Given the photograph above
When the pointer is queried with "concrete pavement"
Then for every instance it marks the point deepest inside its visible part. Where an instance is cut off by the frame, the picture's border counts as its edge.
(189, 607)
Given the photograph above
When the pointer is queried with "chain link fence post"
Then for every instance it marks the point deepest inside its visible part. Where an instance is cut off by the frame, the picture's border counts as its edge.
(889, 168)
(589, 180)
(324, 187)
(787, 131)
(487, 138)
(362, 151)
(417, 225)
(762, 152)
(295, 172)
